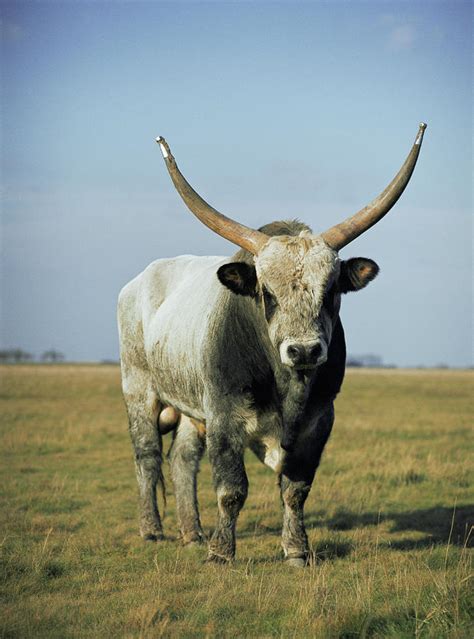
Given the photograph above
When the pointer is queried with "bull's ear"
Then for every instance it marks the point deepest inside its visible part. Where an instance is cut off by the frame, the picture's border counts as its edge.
(239, 277)
(356, 273)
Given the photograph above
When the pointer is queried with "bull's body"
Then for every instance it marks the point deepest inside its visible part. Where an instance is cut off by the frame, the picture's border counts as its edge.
(167, 340)
(253, 349)
(190, 343)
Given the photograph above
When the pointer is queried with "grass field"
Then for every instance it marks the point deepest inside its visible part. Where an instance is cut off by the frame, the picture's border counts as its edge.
(388, 519)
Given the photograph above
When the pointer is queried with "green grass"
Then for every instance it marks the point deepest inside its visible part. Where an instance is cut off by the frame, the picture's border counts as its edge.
(388, 519)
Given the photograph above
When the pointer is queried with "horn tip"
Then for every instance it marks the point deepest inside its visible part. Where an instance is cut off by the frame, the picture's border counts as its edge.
(163, 146)
(421, 131)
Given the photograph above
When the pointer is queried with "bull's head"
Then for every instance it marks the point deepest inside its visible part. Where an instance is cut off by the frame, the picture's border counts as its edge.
(297, 280)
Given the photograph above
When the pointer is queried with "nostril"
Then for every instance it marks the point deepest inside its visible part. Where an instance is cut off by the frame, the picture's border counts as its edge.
(294, 352)
(315, 352)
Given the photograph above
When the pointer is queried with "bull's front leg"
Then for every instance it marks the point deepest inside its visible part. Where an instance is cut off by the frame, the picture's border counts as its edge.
(226, 454)
(299, 468)
(294, 538)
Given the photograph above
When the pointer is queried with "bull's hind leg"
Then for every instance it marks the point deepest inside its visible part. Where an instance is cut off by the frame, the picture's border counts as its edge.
(185, 455)
(143, 408)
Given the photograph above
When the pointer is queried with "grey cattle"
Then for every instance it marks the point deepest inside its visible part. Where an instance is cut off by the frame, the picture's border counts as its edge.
(240, 352)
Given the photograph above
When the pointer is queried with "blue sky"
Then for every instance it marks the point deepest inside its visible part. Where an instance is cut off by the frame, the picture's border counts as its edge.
(273, 110)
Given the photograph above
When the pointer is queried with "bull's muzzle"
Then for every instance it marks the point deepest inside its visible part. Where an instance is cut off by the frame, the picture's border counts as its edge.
(303, 355)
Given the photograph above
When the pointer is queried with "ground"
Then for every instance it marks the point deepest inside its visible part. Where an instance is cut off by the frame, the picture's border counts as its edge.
(388, 520)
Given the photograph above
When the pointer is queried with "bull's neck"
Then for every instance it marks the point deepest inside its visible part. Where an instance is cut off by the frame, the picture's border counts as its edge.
(289, 381)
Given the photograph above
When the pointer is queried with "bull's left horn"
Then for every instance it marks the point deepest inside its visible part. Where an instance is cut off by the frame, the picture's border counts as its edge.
(338, 236)
(231, 230)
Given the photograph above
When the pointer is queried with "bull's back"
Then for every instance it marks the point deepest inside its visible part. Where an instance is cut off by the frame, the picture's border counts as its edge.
(163, 318)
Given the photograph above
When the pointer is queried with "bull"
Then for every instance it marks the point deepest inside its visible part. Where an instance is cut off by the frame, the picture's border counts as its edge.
(241, 352)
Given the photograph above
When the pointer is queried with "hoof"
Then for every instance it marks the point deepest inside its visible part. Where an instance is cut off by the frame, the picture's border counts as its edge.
(296, 562)
(152, 535)
(218, 559)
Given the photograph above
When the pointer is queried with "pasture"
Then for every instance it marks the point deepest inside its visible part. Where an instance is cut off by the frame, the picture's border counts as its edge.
(388, 519)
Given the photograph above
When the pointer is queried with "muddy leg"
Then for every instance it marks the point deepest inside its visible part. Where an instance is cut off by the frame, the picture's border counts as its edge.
(185, 455)
(297, 476)
(231, 485)
(143, 412)
(294, 539)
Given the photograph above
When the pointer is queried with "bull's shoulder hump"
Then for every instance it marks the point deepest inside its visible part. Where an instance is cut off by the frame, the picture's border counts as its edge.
(169, 278)
(168, 274)
(168, 269)
(170, 266)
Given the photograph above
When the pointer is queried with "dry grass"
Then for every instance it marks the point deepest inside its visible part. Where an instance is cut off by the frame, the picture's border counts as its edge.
(388, 519)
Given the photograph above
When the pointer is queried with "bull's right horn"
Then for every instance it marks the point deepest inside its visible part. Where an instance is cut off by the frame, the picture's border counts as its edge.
(338, 236)
(239, 234)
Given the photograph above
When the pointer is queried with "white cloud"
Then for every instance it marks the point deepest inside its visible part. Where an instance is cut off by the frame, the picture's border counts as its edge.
(402, 37)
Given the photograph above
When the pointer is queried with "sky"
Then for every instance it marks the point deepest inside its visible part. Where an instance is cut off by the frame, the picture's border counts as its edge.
(273, 111)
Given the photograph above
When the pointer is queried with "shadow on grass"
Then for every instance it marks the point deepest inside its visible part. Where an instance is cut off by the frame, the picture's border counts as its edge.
(441, 524)
(402, 625)
(324, 550)
(329, 550)
(438, 524)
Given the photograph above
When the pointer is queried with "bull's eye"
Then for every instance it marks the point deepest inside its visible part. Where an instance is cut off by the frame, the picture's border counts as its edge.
(270, 304)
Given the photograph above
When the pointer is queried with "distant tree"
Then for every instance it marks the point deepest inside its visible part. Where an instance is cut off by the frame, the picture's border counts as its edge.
(368, 360)
(52, 356)
(371, 360)
(353, 361)
(15, 356)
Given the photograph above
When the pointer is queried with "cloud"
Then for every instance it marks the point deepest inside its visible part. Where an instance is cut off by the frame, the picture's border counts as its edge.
(399, 34)
(402, 37)
(11, 32)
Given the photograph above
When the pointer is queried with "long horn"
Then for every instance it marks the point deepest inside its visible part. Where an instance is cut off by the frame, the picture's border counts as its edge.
(239, 234)
(338, 236)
